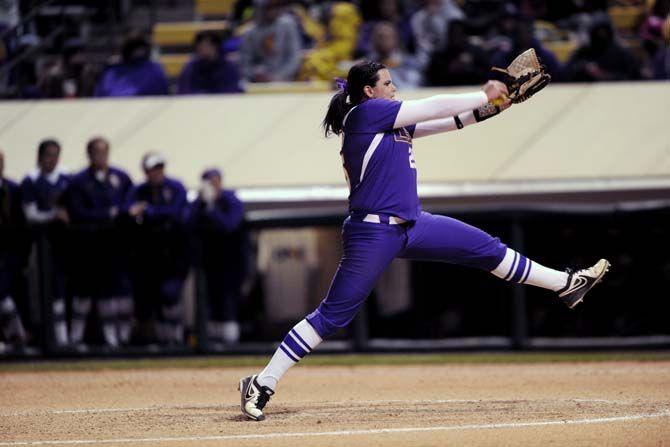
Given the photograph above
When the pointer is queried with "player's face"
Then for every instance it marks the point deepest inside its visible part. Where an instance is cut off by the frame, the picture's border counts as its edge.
(156, 175)
(216, 182)
(99, 155)
(49, 159)
(384, 88)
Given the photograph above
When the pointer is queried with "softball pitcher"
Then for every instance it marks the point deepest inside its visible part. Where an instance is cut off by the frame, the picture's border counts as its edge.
(385, 218)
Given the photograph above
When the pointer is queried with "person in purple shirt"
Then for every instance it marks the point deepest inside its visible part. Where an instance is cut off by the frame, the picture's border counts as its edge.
(217, 217)
(385, 216)
(13, 256)
(159, 245)
(208, 71)
(95, 198)
(43, 199)
(136, 74)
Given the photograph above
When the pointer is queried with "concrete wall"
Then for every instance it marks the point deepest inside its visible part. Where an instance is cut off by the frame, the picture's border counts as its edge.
(597, 131)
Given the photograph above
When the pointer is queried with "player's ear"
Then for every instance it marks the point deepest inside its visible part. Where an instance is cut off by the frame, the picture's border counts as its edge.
(369, 92)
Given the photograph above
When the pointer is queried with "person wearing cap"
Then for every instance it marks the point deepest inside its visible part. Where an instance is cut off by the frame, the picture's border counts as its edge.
(217, 218)
(159, 264)
(95, 198)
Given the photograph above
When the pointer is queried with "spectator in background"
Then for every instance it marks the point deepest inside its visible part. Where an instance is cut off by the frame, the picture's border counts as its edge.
(217, 216)
(385, 49)
(602, 59)
(661, 61)
(23, 76)
(159, 264)
(42, 196)
(12, 255)
(9, 18)
(651, 31)
(71, 76)
(375, 11)
(271, 48)
(460, 62)
(336, 45)
(96, 196)
(208, 71)
(430, 24)
(135, 74)
(523, 40)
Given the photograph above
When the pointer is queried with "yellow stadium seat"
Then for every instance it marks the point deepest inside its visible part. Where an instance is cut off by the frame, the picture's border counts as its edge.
(626, 18)
(183, 33)
(562, 49)
(214, 7)
(173, 63)
(290, 87)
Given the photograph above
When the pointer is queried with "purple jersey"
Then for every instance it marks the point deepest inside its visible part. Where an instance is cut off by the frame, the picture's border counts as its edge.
(378, 161)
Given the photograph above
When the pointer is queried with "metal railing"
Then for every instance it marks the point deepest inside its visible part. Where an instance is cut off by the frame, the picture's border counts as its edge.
(642, 330)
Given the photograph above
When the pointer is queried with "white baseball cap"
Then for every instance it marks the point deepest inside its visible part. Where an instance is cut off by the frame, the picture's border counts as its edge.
(152, 160)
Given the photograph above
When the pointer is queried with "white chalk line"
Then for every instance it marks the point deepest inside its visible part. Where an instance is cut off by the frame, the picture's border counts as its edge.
(603, 420)
(349, 403)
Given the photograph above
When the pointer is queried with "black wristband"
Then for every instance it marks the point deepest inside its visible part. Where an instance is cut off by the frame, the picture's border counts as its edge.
(459, 123)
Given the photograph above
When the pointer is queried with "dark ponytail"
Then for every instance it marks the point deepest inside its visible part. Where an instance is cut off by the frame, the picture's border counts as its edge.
(362, 74)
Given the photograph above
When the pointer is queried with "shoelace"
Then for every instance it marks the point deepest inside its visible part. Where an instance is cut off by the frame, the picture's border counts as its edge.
(263, 398)
(590, 272)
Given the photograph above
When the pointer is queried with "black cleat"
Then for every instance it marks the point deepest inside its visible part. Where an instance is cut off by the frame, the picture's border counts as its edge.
(581, 282)
(253, 397)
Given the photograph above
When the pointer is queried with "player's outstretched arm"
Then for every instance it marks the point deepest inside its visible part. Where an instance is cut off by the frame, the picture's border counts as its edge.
(456, 122)
(446, 106)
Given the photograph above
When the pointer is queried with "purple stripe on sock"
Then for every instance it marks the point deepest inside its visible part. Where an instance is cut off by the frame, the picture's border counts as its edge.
(530, 266)
(286, 351)
(511, 269)
(307, 347)
(519, 269)
(295, 347)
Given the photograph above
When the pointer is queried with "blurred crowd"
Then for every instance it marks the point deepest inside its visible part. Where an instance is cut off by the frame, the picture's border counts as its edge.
(113, 255)
(423, 42)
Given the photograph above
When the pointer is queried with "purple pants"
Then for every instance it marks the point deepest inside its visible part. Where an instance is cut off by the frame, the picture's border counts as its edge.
(370, 247)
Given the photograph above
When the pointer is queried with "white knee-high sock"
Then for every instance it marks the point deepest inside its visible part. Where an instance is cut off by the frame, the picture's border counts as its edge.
(515, 267)
(81, 307)
(10, 321)
(300, 341)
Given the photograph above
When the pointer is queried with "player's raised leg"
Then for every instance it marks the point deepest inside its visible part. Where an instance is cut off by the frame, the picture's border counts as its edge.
(368, 249)
(570, 286)
(446, 239)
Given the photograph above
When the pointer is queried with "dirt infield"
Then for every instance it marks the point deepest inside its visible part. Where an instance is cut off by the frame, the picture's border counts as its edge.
(577, 404)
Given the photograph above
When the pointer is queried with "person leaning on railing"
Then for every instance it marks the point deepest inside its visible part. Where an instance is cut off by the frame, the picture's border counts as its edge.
(95, 198)
(158, 251)
(13, 254)
(42, 196)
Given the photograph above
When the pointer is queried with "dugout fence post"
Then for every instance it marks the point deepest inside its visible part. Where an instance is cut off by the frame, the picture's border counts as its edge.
(201, 298)
(519, 318)
(45, 271)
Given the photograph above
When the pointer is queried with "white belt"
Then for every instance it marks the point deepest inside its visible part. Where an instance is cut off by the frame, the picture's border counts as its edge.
(374, 218)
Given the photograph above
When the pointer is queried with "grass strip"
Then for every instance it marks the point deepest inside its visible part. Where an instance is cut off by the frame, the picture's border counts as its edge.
(335, 360)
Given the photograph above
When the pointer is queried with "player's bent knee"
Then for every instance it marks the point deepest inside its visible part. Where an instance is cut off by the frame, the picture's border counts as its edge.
(325, 326)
